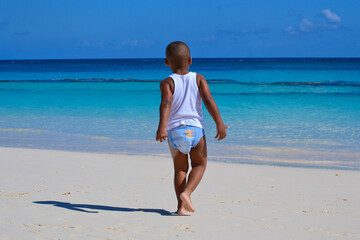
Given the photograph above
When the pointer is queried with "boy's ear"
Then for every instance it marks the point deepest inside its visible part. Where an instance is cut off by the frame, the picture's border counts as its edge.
(190, 60)
(166, 62)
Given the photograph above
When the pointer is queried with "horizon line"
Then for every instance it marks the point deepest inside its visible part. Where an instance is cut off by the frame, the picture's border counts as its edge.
(163, 58)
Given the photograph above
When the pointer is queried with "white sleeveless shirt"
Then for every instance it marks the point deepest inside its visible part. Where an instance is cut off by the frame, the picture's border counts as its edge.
(186, 102)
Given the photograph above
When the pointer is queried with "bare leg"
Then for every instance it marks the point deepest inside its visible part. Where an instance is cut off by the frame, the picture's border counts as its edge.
(181, 167)
(198, 157)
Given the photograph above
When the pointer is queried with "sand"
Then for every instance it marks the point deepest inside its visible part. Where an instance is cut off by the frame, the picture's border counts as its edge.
(46, 194)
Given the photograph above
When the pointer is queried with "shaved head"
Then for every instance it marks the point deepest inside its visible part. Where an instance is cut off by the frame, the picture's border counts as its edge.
(177, 53)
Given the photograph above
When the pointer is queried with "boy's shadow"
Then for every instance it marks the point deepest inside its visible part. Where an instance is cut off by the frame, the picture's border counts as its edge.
(79, 207)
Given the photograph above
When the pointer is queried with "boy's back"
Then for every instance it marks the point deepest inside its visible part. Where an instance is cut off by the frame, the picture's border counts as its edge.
(186, 102)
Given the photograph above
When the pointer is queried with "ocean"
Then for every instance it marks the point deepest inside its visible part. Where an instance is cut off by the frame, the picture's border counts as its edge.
(299, 112)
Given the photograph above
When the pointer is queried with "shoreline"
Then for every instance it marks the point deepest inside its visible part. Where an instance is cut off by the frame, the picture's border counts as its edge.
(70, 195)
(280, 160)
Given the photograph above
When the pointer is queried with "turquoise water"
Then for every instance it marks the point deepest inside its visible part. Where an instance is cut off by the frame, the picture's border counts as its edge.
(293, 112)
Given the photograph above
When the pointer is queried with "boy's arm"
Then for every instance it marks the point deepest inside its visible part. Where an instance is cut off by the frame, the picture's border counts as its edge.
(211, 106)
(165, 109)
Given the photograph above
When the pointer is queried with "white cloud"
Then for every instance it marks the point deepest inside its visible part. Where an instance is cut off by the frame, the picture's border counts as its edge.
(136, 43)
(291, 30)
(331, 16)
(132, 42)
(306, 25)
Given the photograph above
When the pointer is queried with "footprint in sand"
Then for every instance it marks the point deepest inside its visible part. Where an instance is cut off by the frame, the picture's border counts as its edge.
(326, 211)
(306, 211)
(47, 226)
(339, 234)
(116, 229)
(312, 229)
(14, 194)
(320, 211)
(63, 227)
(183, 228)
(157, 178)
(40, 190)
(268, 226)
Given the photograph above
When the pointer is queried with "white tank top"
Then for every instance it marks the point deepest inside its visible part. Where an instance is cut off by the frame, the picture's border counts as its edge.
(186, 102)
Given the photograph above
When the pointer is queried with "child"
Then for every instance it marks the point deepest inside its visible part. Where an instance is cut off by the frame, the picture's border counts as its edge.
(181, 120)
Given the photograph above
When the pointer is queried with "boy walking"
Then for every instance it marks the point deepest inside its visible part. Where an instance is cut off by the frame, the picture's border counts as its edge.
(181, 121)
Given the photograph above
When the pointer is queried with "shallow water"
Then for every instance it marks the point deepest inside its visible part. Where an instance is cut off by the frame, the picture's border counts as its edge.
(293, 112)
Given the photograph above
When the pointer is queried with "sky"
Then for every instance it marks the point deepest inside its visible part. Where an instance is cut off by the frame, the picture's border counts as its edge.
(82, 29)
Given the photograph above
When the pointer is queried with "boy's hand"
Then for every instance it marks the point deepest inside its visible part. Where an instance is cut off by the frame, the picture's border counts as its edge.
(221, 131)
(161, 135)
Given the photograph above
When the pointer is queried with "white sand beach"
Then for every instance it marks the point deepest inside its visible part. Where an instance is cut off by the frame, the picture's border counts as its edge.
(46, 194)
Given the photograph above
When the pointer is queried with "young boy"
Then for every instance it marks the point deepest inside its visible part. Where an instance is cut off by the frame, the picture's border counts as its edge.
(181, 121)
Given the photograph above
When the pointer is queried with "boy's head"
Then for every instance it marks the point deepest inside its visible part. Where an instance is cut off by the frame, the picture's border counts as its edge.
(178, 55)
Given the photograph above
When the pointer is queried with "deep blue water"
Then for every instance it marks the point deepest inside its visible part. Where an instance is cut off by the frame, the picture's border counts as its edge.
(297, 112)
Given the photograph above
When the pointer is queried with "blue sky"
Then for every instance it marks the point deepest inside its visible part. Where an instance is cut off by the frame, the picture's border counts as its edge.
(48, 29)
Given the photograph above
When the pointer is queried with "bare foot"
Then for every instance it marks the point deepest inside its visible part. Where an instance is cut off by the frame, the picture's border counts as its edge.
(182, 211)
(185, 198)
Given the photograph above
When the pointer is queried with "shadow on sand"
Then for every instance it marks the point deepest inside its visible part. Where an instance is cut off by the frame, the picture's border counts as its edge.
(80, 207)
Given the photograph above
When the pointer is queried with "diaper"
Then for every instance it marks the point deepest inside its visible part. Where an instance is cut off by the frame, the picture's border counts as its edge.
(185, 137)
